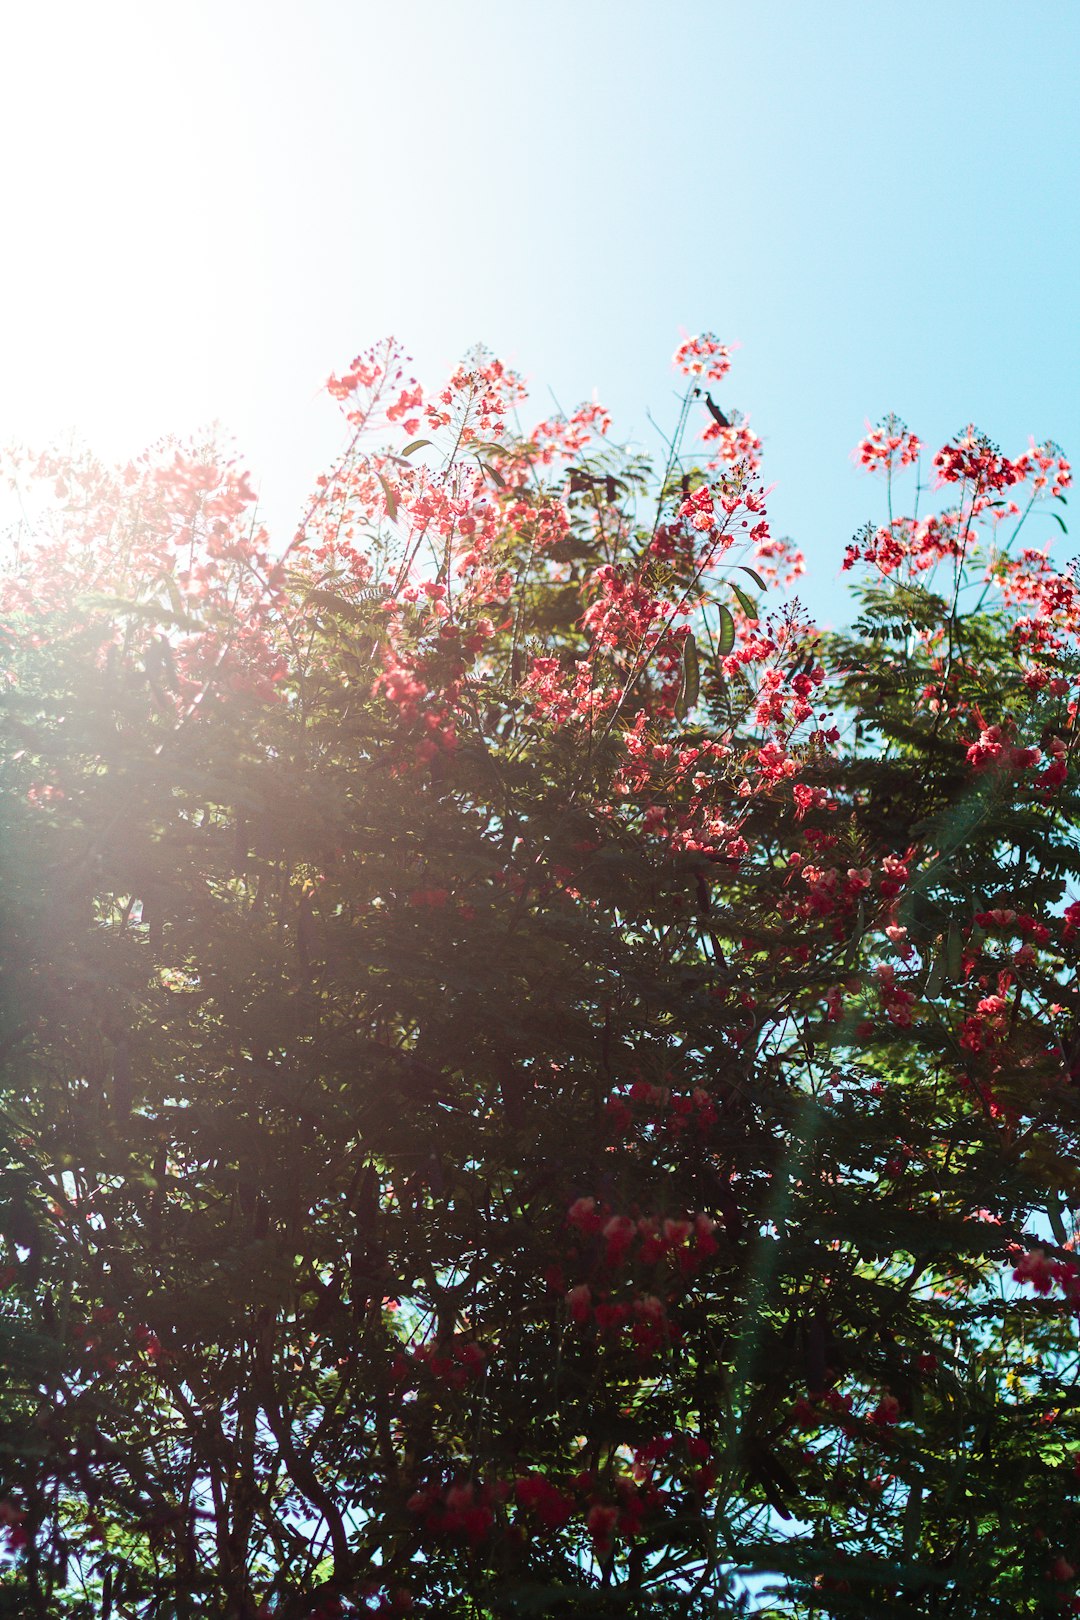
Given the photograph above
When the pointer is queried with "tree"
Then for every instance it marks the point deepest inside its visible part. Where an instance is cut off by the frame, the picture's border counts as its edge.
(533, 1085)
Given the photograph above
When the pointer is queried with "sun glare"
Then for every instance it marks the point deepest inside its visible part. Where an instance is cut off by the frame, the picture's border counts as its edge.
(123, 253)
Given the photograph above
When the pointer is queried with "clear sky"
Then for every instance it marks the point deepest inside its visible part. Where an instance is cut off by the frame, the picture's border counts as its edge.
(210, 205)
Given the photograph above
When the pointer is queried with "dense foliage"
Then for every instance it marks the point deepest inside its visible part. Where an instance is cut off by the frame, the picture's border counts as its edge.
(533, 1085)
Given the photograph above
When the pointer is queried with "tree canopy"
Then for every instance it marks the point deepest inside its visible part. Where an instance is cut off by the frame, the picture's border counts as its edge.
(535, 1081)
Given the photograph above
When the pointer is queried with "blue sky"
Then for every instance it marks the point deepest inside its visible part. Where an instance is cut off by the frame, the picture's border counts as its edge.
(212, 206)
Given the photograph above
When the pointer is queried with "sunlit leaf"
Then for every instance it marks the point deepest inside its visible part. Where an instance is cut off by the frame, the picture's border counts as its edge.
(493, 473)
(390, 498)
(747, 603)
(691, 677)
(726, 638)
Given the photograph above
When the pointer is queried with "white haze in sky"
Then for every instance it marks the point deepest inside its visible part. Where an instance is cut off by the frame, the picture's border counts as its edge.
(210, 206)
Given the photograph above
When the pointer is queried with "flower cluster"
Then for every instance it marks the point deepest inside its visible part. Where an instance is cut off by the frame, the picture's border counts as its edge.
(703, 356)
(1043, 1273)
(889, 446)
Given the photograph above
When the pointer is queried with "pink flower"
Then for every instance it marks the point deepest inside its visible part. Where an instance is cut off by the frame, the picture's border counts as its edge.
(888, 446)
(601, 1522)
(584, 1214)
(435, 898)
(579, 1300)
(886, 1412)
(619, 1234)
(703, 356)
(1035, 1268)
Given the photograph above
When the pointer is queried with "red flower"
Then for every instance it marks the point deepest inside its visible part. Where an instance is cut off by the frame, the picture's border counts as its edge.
(703, 356)
(1035, 1268)
(579, 1300)
(601, 1522)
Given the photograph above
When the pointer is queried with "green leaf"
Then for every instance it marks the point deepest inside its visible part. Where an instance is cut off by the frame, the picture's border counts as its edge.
(154, 611)
(747, 603)
(691, 680)
(954, 952)
(755, 576)
(341, 607)
(493, 472)
(727, 630)
(912, 1521)
(1057, 1225)
(174, 593)
(854, 942)
(416, 444)
(1057, 517)
(391, 498)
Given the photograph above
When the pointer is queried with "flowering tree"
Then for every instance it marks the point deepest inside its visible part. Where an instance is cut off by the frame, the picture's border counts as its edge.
(534, 1085)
